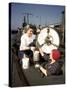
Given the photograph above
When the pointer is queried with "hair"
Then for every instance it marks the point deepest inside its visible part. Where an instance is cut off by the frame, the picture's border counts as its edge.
(56, 54)
(27, 27)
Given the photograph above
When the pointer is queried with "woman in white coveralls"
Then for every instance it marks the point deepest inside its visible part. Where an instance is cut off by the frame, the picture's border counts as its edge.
(27, 42)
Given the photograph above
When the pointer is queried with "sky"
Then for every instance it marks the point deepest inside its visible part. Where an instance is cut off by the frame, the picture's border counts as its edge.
(39, 14)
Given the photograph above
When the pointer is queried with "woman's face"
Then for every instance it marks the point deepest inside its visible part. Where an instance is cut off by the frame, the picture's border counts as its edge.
(30, 32)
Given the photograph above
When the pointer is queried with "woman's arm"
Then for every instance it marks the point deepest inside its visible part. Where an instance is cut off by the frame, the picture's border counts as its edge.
(44, 71)
(23, 45)
(41, 52)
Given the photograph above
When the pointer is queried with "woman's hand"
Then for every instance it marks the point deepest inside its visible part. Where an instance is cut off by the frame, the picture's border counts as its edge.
(32, 48)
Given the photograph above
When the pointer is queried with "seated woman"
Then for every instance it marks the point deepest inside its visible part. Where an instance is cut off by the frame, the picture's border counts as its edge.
(52, 67)
(27, 42)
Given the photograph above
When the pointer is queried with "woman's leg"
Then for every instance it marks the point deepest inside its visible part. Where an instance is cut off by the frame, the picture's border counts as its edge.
(29, 54)
(20, 55)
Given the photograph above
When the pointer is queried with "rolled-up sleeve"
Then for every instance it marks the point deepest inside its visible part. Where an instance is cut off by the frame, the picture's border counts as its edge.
(23, 43)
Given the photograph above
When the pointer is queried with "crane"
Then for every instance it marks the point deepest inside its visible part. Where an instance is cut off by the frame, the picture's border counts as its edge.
(27, 16)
